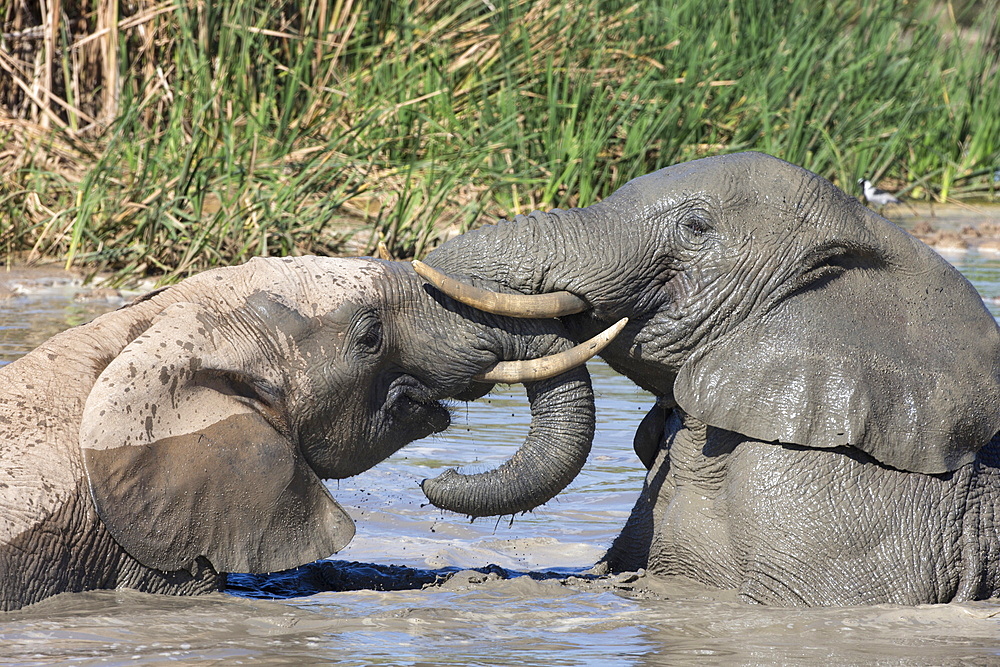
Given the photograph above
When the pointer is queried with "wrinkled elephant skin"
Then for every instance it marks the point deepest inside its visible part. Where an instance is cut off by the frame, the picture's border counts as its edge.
(186, 435)
(827, 386)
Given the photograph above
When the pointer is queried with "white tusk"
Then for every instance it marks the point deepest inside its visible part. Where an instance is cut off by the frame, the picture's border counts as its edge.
(537, 306)
(533, 370)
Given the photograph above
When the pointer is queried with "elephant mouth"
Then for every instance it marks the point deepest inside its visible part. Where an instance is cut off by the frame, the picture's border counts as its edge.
(408, 401)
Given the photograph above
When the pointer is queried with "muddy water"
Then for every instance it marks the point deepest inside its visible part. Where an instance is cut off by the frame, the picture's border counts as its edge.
(517, 608)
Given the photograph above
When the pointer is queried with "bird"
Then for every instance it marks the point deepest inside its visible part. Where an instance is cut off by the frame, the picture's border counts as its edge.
(880, 198)
(875, 196)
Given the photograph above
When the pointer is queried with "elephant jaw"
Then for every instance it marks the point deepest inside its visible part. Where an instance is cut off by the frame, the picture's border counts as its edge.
(409, 402)
(408, 410)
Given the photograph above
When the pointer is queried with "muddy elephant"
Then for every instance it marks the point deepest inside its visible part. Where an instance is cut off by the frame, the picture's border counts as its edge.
(186, 435)
(828, 388)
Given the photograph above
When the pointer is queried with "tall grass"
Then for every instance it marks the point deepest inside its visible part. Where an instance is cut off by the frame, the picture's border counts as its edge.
(219, 131)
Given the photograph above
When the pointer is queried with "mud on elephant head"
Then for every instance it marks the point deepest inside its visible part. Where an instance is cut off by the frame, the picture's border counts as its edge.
(186, 435)
(827, 386)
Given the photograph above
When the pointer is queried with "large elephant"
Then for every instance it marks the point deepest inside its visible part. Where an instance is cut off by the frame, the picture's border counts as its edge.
(827, 386)
(185, 435)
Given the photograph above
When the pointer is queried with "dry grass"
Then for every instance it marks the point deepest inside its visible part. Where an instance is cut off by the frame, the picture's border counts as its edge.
(164, 137)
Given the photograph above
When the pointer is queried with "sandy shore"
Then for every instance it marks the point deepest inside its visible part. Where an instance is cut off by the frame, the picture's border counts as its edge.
(951, 227)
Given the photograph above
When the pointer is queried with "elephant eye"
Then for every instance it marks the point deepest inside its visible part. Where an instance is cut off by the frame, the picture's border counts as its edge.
(696, 225)
(366, 333)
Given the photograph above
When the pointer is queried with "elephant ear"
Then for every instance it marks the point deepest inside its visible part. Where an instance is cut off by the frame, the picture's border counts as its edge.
(896, 358)
(189, 452)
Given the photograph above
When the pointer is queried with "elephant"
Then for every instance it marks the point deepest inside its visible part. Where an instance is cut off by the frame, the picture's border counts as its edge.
(826, 386)
(185, 435)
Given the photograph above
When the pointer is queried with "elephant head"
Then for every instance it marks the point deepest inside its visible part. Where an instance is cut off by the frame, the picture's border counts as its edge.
(233, 393)
(762, 300)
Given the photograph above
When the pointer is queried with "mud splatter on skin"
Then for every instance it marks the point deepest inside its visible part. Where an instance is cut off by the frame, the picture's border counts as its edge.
(514, 620)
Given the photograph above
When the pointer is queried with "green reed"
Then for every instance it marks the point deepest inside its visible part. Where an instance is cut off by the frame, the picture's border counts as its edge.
(255, 128)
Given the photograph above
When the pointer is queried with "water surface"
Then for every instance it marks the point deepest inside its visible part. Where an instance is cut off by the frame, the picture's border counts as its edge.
(498, 615)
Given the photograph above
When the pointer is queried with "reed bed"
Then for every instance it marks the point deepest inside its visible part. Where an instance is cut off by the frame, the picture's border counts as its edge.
(166, 136)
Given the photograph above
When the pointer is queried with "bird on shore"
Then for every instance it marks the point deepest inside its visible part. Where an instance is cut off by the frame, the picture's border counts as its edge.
(879, 198)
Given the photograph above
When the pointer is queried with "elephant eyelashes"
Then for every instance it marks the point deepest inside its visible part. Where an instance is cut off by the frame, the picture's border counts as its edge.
(366, 333)
(696, 226)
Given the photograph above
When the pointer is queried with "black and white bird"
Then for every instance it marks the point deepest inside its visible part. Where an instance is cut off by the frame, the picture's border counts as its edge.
(878, 198)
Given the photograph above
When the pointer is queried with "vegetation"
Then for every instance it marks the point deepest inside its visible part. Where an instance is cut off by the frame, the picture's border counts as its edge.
(165, 136)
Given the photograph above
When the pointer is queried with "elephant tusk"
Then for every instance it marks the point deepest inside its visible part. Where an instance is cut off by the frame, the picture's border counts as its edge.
(537, 306)
(534, 370)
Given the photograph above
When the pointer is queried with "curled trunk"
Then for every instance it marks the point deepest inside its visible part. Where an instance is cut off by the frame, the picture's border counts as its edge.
(557, 446)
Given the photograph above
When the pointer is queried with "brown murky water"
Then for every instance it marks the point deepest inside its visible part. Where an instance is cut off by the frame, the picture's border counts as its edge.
(514, 613)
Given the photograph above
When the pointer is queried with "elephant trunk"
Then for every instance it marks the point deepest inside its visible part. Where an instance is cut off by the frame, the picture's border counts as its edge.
(558, 263)
(534, 254)
(557, 446)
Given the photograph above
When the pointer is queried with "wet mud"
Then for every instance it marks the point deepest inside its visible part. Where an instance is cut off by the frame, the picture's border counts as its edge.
(487, 619)
(951, 228)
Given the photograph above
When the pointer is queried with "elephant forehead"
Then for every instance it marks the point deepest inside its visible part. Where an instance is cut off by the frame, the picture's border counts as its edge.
(741, 175)
(747, 167)
(724, 183)
(760, 195)
(320, 284)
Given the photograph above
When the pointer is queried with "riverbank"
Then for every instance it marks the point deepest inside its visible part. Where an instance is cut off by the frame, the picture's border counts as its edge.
(191, 134)
(948, 228)
(953, 227)
(51, 278)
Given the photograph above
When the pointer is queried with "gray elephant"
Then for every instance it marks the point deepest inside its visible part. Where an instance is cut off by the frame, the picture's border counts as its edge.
(827, 386)
(185, 435)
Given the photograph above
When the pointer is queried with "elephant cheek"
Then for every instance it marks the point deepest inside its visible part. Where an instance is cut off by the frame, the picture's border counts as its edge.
(337, 454)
